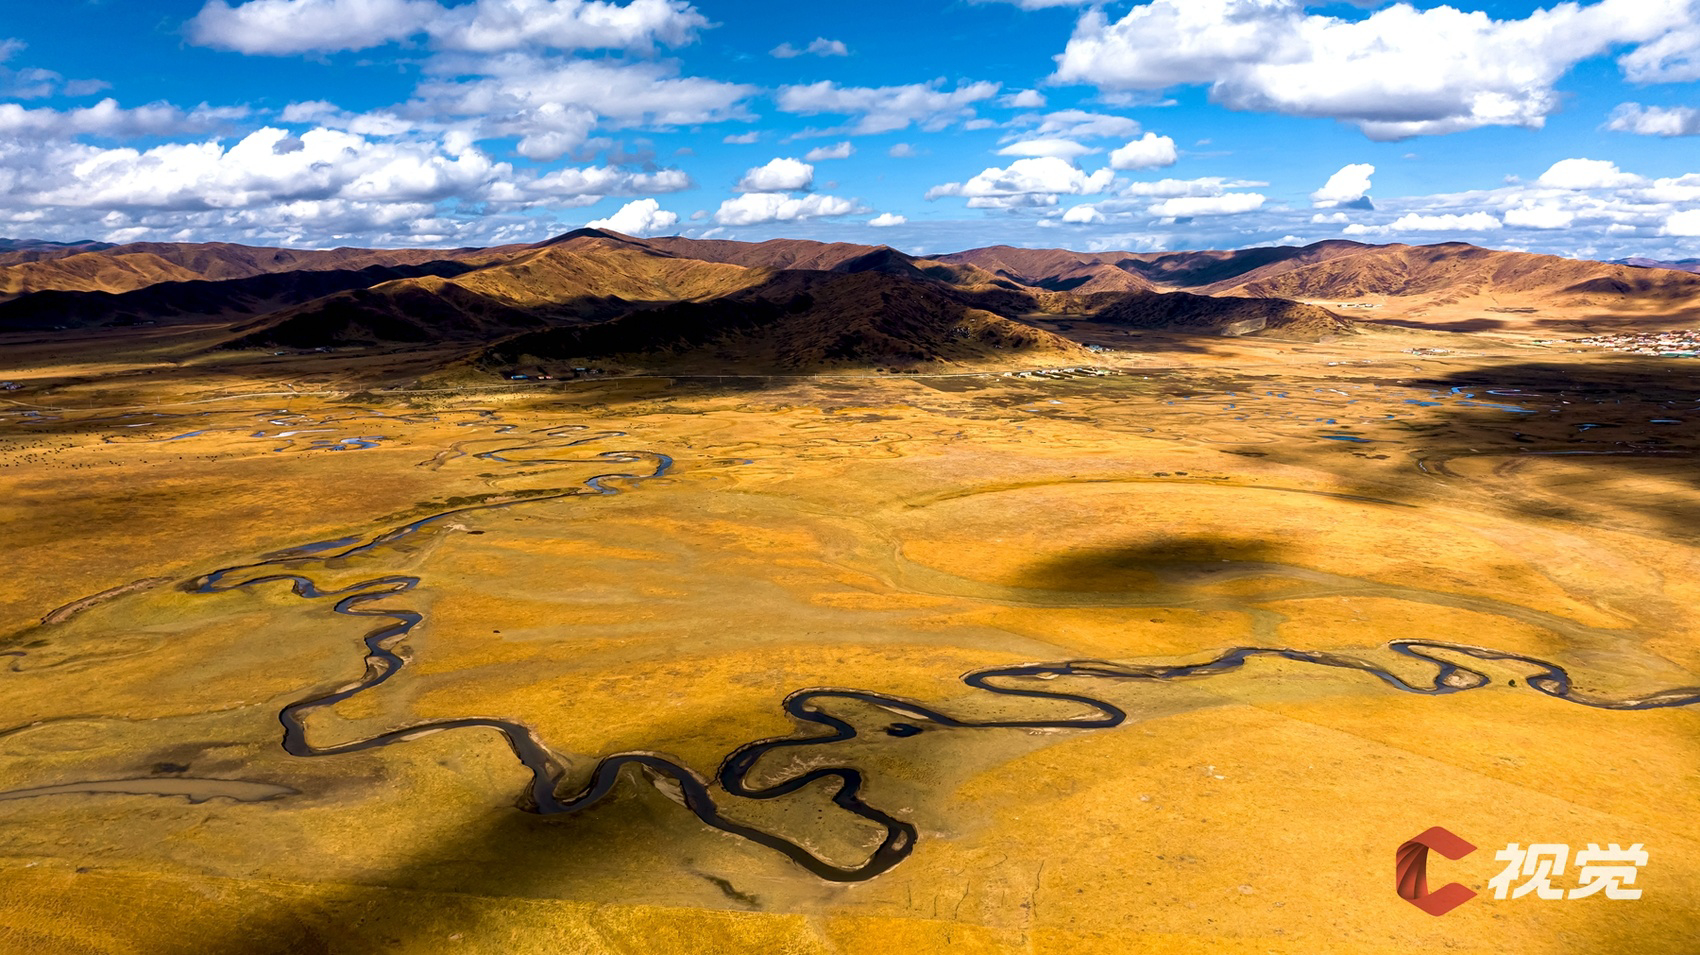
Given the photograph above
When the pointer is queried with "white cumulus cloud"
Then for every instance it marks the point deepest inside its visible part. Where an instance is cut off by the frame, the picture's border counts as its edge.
(266, 166)
(778, 175)
(485, 26)
(1574, 207)
(552, 104)
(1080, 124)
(1055, 146)
(34, 82)
(885, 109)
(1672, 58)
(491, 26)
(1539, 217)
(1350, 184)
(886, 220)
(1206, 186)
(1227, 204)
(107, 119)
(1684, 223)
(301, 26)
(755, 208)
(1655, 120)
(820, 46)
(1420, 222)
(309, 187)
(638, 217)
(1147, 152)
(1586, 174)
(1083, 214)
(1038, 4)
(1026, 182)
(1398, 72)
(840, 151)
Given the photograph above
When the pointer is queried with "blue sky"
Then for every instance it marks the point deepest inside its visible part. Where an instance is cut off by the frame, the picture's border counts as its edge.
(1164, 124)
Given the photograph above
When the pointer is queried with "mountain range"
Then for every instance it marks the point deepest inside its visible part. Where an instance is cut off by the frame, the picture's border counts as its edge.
(1680, 265)
(598, 297)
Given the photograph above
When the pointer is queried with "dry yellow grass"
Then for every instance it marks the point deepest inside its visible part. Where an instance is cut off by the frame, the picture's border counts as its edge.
(878, 534)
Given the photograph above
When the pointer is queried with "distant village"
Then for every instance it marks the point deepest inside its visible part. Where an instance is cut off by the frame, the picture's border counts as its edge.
(1684, 343)
(544, 374)
(1060, 373)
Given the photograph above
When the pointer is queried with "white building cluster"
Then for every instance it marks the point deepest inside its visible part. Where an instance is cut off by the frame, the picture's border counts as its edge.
(1683, 343)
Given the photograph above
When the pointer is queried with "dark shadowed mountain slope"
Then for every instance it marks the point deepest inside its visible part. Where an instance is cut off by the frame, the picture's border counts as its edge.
(596, 295)
(1221, 315)
(586, 279)
(1209, 271)
(799, 320)
(1056, 270)
(1441, 274)
(201, 300)
(781, 254)
(123, 268)
(772, 254)
(1455, 271)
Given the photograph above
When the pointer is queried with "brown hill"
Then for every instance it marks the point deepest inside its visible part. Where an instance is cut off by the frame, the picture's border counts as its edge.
(1064, 271)
(586, 279)
(16, 251)
(1453, 269)
(124, 268)
(1482, 287)
(595, 296)
(1219, 315)
(804, 254)
(200, 300)
(1450, 285)
(1344, 270)
(606, 267)
(875, 305)
(1681, 265)
(1213, 270)
(1056, 270)
(772, 254)
(798, 320)
(398, 312)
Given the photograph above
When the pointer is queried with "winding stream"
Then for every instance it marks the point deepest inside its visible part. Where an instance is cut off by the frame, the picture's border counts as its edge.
(809, 707)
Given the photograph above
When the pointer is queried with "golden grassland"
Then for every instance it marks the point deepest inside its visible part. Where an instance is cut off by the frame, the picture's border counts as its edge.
(879, 533)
